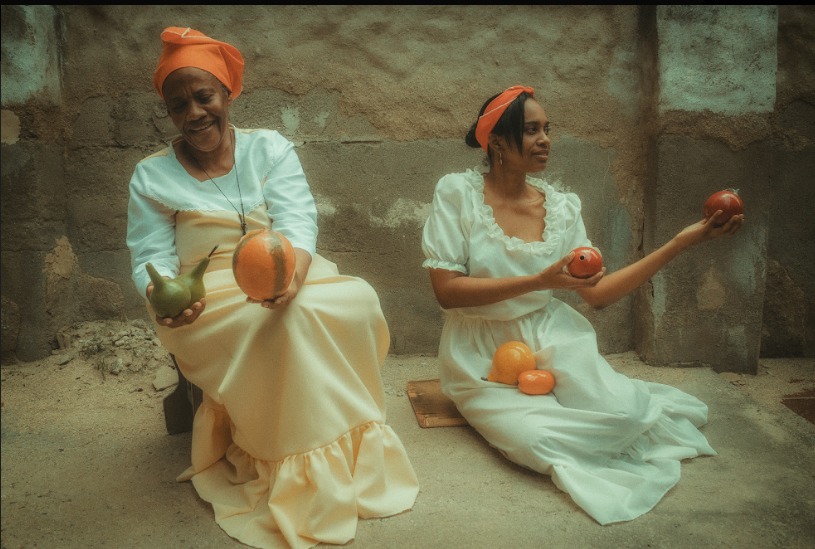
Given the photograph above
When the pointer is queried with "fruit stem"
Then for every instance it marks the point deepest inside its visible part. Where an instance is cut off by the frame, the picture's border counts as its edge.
(157, 279)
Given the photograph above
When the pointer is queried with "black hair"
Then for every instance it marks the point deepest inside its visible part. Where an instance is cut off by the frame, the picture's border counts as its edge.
(510, 126)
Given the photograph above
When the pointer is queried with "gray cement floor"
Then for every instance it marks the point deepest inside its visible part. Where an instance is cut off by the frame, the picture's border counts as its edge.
(86, 462)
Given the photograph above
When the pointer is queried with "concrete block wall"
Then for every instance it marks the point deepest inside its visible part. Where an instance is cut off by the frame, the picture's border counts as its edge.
(377, 100)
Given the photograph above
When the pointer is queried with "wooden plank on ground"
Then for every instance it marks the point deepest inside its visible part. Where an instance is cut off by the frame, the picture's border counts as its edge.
(431, 406)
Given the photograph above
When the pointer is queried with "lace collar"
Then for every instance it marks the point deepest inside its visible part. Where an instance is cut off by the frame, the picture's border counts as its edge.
(553, 203)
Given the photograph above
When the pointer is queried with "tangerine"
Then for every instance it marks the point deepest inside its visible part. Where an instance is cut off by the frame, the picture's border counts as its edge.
(536, 382)
(509, 360)
(263, 264)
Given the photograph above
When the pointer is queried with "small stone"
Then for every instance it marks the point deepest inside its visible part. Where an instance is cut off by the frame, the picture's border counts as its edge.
(165, 377)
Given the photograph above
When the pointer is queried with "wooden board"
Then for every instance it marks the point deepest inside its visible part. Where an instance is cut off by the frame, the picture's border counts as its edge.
(431, 407)
(802, 403)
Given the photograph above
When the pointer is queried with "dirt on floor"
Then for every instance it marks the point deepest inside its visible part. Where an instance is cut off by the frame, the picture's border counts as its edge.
(87, 461)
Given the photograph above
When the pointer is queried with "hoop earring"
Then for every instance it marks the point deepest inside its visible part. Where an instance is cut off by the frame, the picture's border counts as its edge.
(501, 158)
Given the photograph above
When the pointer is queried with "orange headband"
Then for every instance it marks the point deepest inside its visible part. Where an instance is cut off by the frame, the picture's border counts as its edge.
(494, 111)
(186, 47)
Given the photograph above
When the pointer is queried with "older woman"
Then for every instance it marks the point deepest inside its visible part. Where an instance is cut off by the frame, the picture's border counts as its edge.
(290, 444)
(496, 244)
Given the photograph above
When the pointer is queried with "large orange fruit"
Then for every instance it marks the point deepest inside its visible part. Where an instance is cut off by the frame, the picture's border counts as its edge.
(536, 382)
(263, 263)
(509, 360)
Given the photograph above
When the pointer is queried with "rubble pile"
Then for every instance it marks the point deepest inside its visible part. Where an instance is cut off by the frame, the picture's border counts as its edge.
(114, 347)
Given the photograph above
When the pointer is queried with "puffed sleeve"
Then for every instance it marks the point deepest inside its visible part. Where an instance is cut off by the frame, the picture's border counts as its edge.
(574, 229)
(150, 234)
(445, 240)
(289, 201)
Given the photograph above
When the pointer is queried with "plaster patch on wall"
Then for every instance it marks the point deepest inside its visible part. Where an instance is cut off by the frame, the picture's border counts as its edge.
(321, 119)
(291, 119)
(711, 293)
(718, 58)
(324, 206)
(403, 211)
(620, 84)
(30, 54)
(743, 271)
(61, 262)
(737, 341)
(619, 226)
(9, 127)
(746, 267)
(659, 296)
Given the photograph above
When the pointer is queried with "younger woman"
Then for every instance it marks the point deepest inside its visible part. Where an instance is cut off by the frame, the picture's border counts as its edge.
(496, 245)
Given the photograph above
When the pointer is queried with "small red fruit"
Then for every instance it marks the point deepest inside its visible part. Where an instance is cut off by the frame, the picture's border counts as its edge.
(728, 201)
(587, 262)
(536, 382)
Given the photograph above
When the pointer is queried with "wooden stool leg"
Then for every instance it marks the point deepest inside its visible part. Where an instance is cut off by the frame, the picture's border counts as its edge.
(181, 404)
(195, 395)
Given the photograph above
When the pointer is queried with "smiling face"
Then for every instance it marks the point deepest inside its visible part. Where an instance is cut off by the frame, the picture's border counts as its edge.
(534, 151)
(536, 142)
(198, 105)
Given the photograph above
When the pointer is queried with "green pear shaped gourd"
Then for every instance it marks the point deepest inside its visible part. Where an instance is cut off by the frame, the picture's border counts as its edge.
(169, 296)
(194, 280)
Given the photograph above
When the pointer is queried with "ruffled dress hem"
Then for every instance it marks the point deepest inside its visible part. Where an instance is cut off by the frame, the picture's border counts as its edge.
(284, 503)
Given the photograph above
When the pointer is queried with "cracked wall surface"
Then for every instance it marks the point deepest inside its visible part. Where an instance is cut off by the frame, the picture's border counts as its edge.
(377, 100)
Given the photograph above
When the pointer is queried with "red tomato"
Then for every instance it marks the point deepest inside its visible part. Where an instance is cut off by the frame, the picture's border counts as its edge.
(536, 382)
(728, 201)
(587, 262)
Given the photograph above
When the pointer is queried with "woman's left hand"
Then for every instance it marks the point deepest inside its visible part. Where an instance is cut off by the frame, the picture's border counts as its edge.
(280, 301)
(706, 229)
(301, 271)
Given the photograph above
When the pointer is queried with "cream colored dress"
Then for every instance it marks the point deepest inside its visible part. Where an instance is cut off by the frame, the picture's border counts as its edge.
(612, 443)
(290, 444)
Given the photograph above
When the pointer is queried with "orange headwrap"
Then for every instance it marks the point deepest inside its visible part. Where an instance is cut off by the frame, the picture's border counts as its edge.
(186, 47)
(494, 111)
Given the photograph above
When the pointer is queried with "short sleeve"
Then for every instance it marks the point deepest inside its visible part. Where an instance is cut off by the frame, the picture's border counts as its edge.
(574, 235)
(445, 241)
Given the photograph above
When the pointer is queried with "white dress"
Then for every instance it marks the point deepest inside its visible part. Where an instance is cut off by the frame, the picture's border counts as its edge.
(614, 444)
(290, 444)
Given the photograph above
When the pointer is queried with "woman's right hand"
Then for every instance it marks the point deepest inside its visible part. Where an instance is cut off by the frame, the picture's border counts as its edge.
(557, 277)
(454, 289)
(185, 317)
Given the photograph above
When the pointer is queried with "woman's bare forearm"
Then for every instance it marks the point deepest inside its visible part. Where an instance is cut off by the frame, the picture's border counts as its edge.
(453, 291)
(617, 285)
